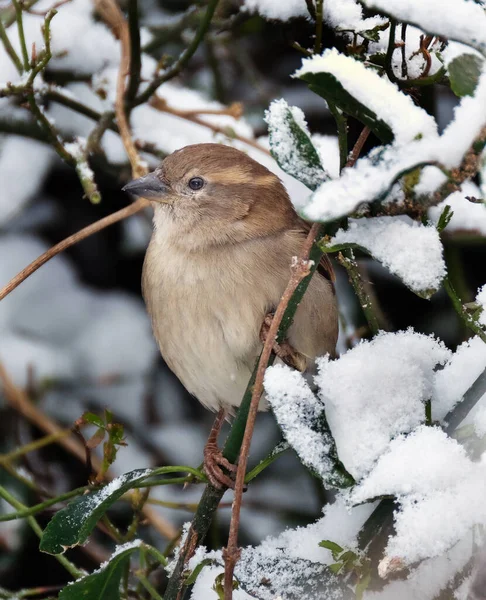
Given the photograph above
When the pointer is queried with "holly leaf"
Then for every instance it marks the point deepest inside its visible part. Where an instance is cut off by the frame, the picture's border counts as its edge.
(72, 525)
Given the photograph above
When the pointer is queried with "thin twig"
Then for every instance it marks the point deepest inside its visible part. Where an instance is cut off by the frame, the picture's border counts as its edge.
(300, 270)
(20, 27)
(112, 15)
(20, 402)
(134, 208)
(176, 68)
(9, 49)
(160, 104)
(358, 147)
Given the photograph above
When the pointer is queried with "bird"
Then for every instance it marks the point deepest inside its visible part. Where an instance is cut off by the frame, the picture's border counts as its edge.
(224, 237)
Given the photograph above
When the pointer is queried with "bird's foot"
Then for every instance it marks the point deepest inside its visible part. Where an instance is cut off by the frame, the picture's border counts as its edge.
(283, 350)
(214, 462)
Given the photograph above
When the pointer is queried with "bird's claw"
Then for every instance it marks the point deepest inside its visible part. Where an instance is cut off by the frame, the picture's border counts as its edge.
(214, 462)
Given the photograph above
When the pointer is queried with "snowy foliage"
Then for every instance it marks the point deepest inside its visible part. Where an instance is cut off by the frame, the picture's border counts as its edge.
(410, 250)
(374, 422)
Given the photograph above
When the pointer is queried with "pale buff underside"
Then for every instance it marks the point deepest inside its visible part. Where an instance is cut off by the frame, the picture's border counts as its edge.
(207, 309)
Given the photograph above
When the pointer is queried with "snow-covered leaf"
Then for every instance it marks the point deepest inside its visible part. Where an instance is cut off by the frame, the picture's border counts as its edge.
(377, 391)
(303, 422)
(72, 525)
(360, 92)
(464, 72)
(291, 145)
(103, 584)
(410, 250)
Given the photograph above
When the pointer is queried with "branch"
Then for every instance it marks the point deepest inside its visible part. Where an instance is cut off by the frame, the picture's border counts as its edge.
(132, 209)
(300, 270)
(160, 104)
(112, 15)
(9, 49)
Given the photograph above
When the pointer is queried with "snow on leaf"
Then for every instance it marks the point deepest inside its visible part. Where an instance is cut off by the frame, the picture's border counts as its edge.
(481, 301)
(302, 419)
(362, 93)
(461, 20)
(457, 376)
(373, 175)
(410, 250)
(435, 483)
(72, 525)
(104, 583)
(291, 145)
(377, 391)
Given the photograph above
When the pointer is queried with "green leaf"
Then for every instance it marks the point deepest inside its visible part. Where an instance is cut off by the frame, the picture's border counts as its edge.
(333, 547)
(90, 417)
(362, 585)
(72, 525)
(329, 88)
(291, 146)
(464, 72)
(336, 567)
(444, 218)
(104, 584)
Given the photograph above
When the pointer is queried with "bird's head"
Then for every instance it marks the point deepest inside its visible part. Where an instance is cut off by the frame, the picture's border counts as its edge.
(218, 192)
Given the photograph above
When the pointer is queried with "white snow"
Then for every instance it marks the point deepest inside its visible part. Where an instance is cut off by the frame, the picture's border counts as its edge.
(288, 154)
(460, 20)
(23, 166)
(373, 175)
(377, 391)
(405, 119)
(435, 483)
(339, 14)
(296, 410)
(481, 300)
(410, 250)
(273, 9)
(457, 376)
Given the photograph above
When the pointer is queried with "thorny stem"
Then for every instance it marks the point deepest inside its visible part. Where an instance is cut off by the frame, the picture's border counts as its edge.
(7, 496)
(176, 68)
(300, 270)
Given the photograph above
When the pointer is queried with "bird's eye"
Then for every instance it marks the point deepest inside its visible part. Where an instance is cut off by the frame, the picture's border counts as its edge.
(196, 183)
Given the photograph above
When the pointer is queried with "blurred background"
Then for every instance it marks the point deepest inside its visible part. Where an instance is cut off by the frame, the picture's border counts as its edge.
(75, 335)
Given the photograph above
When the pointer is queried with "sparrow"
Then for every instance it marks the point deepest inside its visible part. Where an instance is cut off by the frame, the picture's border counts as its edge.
(225, 233)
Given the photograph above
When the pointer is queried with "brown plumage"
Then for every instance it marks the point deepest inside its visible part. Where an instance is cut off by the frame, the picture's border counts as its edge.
(219, 259)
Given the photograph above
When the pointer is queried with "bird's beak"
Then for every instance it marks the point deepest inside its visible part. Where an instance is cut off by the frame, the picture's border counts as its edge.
(149, 186)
